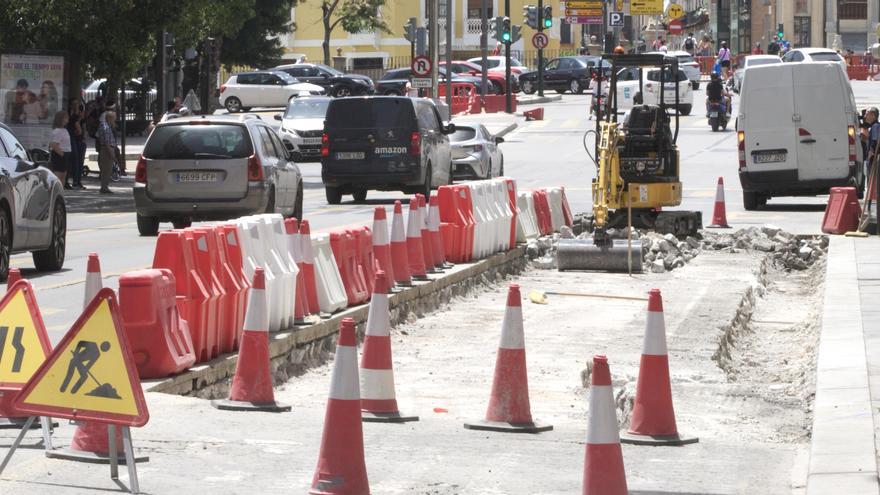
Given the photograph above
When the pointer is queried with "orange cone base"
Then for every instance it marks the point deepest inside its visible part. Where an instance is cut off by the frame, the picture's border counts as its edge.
(90, 444)
(657, 440)
(603, 470)
(237, 405)
(504, 427)
(389, 417)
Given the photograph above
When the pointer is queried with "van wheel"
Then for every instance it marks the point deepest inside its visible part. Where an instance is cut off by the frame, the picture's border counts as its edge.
(750, 200)
(298, 205)
(685, 109)
(334, 197)
(5, 242)
(360, 195)
(147, 226)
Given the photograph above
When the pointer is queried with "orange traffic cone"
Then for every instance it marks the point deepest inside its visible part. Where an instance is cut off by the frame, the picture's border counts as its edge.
(653, 417)
(91, 441)
(509, 409)
(399, 256)
(341, 468)
(381, 244)
(252, 384)
(414, 251)
(603, 459)
(378, 400)
(719, 215)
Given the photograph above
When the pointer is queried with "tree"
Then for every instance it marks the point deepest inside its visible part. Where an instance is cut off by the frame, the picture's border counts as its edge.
(256, 42)
(354, 15)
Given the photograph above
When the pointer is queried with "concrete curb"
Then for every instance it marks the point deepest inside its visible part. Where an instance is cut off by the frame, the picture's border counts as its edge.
(300, 348)
(539, 99)
(843, 458)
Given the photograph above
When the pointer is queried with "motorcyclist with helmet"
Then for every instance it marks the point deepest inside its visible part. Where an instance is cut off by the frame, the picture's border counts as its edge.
(715, 92)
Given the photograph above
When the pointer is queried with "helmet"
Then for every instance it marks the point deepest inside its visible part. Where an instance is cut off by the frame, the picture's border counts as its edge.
(618, 50)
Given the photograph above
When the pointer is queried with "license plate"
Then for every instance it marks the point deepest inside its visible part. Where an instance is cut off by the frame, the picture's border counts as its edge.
(312, 140)
(713, 114)
(197, 177)
(349, 155)
(770, 157)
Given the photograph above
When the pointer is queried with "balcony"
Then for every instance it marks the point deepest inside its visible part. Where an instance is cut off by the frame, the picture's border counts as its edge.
(853, 10)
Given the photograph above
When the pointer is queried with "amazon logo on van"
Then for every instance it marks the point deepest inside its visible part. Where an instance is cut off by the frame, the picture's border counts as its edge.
(390, 150)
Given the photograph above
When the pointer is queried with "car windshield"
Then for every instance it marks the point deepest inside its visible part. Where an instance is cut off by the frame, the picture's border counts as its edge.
(826, 57)
(331, 70)
(462, 134)
(370, 113)
(654, 75)
(306, 108)
(183, 141)
(760, 61)
(515, 63)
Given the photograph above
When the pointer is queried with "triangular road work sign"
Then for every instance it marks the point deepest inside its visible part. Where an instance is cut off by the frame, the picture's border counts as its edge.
(90, 375)
(24, 343)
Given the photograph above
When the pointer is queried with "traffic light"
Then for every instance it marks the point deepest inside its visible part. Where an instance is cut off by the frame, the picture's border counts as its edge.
(548, 17)
(409, 30)
(530, 16)
(505, 29)
(779, 31)
(515, 33)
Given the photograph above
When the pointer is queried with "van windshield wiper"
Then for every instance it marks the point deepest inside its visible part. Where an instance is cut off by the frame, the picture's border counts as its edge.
(210, 155)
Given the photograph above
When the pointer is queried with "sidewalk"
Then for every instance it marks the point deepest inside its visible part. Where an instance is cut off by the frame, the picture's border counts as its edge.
(843, 454)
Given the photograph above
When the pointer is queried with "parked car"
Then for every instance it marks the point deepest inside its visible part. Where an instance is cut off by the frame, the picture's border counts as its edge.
(33, 215)
(214, 167)
(814, 55)
(780, 155)
(334, 82)
(268, 88)
(628, 93)
(495, 78)
(497, 62)
(302, 126)
(394, 82)
(475, 153)
(686, 63)
(751, 61)
(386, 143)
(564, 74)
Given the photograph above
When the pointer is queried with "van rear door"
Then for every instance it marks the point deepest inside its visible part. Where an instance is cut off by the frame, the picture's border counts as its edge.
(369, 134)
(766, 121)
(821, 109)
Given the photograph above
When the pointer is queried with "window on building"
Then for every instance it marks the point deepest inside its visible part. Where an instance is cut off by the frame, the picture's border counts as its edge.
(853, 9)
(474, 8)
(801, 7)
(565, 33)
(801, 31)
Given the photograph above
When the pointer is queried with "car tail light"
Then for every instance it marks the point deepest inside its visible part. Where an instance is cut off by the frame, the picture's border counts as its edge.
(475, 148)
(140, 172)
(741, 145)
(255, 168)
(415, 144)
(222, 88)
(325, 146)
(851, 134)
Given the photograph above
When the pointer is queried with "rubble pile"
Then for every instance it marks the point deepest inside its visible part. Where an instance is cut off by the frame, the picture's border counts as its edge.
(786, 250)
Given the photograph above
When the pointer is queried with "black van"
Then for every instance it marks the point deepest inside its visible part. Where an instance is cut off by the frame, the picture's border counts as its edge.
(385, 143)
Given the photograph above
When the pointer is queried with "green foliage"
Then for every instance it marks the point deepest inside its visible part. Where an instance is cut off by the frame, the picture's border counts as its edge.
(354, 15)
(256, 43)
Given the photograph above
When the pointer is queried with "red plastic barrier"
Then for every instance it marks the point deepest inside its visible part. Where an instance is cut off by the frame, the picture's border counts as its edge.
(301, 304)
(365, 256)
(511, 203)
(206, 264)
(309, 266)
(231, 246)
(534, 114)
(231, 283)
(175, 252)
(566, 210)
(159, 338)
(858, 72)
(842, 212)
(457, 227)
(542, 210)
(497, 103)
(344, 249)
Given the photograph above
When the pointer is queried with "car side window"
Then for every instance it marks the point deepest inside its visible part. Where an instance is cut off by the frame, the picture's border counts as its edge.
(295, 71)
(552, 65)
(279, 147)
(426, 118)
(798, 57)
(787, 57)
(266, 145)
(246, 79)
(313, 72)
(14, 147)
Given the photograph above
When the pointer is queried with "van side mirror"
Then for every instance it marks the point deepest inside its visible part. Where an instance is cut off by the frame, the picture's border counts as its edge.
(449, 129)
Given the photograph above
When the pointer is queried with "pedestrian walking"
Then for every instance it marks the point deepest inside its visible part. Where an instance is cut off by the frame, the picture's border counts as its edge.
(757, 50)
(690, 44)
(76, 129)
(59, 147)
(724, 60)
(106, 140)
(663, 48)
(656, 44)
(773, 47)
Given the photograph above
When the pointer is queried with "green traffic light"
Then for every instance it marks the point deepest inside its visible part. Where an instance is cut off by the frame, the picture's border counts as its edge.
(505, 36)
(548, 23)
(780, 34)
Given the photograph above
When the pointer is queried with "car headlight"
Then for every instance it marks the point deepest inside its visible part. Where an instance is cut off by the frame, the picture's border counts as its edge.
(289, 131)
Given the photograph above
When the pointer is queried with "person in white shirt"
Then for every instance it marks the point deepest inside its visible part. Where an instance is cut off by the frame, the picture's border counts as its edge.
(59, 147)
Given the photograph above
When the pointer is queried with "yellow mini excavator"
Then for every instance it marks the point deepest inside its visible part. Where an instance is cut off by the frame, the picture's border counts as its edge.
(638, 170)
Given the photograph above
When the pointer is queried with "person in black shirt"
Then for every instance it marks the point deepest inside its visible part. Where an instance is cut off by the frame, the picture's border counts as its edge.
(715, 92)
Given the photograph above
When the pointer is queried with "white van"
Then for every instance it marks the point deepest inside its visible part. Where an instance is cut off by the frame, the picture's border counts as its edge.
(797, 132)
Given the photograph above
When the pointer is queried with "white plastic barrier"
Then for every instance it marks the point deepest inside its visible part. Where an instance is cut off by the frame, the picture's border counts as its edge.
(254, 255)
(502, 203)
(554, 198)
(527, 220)
(281, 236)
(328, 280)
(275, 259)
(509, 186)
(493, 216)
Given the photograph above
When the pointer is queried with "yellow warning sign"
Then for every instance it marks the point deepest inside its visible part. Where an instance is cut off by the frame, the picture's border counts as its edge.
(24, 343)
(91, 374)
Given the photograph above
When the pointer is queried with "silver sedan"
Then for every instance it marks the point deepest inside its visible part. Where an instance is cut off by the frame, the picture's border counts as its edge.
(475, 153)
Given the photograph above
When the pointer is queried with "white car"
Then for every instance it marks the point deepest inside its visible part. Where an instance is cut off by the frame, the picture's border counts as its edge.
(268, 88)
(814, 55)
(629, 94)
(496, 62)
(302, 126)
(686, 63)
(751, 61)
(475, 153)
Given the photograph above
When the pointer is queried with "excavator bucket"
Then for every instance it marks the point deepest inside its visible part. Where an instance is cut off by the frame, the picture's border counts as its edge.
(615, 255)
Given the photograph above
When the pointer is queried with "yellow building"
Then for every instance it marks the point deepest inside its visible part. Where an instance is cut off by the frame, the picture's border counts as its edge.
(384, 50)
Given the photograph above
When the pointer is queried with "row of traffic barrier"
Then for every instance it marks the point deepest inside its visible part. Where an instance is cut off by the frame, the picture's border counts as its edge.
(479, 218)
(542, 212)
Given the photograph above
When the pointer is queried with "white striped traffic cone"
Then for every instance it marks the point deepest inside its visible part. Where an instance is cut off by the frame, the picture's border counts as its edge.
(509, 408)
(414, 252)
(603, 458)
(399, 251)
(341, 467)
(653, 416)
(378, 399)
(381, 243)
(719, 214)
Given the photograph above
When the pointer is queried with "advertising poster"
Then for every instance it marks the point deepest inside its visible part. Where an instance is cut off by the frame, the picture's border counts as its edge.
(31, 91)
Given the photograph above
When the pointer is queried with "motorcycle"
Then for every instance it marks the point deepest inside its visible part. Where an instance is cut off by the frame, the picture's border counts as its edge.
(717, 112)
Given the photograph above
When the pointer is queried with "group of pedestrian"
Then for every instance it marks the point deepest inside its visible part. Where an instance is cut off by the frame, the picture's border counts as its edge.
(67, 143)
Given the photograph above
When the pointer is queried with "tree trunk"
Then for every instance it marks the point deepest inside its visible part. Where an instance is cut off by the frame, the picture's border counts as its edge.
(327, 31)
